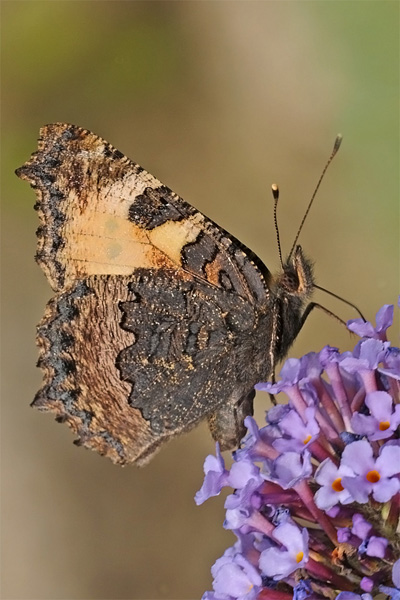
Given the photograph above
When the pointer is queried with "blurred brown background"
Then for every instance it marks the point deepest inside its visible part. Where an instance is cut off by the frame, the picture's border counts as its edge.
(218, 100)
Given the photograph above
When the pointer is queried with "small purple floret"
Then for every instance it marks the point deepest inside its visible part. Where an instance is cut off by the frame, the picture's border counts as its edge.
(377, 546)
(299, 434)
(366, 356)
(281, 561)
(289, 469)
(383, 420)
(358, 457)
(361, 527)
(327, 496)
(384, 319)
(216, 477)
(235, 577)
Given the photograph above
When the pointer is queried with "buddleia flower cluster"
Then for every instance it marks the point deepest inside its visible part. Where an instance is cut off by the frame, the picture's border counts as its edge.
(316, 501)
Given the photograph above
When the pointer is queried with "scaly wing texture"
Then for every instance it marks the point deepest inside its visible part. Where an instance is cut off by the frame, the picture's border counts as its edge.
(156, 315)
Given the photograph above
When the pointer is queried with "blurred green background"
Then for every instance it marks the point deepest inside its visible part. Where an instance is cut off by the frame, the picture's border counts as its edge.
(218, 100)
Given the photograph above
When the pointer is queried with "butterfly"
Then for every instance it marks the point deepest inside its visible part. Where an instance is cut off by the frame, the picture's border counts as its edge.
(160, 317)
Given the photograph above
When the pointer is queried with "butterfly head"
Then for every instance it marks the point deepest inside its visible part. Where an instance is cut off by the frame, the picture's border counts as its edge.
(296, 278)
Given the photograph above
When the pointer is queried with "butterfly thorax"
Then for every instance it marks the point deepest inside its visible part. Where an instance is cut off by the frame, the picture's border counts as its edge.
(290, 292)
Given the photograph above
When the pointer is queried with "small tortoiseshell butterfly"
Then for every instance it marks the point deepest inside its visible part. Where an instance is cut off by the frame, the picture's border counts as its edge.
(160, 318)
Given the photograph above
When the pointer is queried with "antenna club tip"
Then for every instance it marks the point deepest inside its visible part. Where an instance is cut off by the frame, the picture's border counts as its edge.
(337, 143)
(275, 191)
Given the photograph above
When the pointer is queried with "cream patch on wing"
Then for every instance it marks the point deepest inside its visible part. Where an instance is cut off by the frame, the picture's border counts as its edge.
(172, 236)
(120, 195)
(100, 243)
(100, 239)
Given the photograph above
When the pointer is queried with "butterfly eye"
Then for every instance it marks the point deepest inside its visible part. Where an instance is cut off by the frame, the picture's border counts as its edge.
(291, 281)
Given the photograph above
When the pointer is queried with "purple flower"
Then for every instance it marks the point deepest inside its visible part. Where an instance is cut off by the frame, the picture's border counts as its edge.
(290, 375)
(245, 496)
(288, 469)
(391, 365)
(275, 415)
(292, 371)
(361, 528)
(330, 354)
(237, 518)
(256, 445)
(370, 475)
(344, 536)
(377, 546)
(329, 477)
(235, 577)
(216, 477)
(367, 584)
(280, 562)
(242, 472)
(384, 319)
(252, 436)
(311, 366)
(300, 434)
(366, 356)
(383, 420)
(295, 371)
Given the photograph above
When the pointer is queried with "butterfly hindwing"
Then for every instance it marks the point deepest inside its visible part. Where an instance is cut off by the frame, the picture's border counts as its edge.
(131, 361)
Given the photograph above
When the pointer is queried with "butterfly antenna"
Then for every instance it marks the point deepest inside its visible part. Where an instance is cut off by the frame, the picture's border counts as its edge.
(275, 193)
(342, 299)
(336, 147)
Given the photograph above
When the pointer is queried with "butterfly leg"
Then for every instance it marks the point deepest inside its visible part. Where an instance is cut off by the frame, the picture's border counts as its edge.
(311, 307)
(272, 351)
(226, 423)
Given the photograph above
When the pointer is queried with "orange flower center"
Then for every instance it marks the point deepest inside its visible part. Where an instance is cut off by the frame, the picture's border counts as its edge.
(373, 476)
(299, 556)
(307, 439)
(337, 485)
(383, 425)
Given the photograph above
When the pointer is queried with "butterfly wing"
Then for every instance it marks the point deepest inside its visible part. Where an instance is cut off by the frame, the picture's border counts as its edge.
(157, 309)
